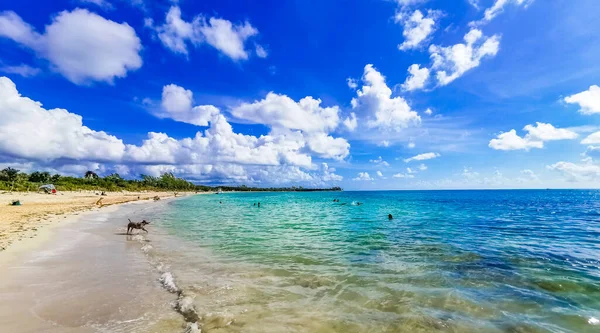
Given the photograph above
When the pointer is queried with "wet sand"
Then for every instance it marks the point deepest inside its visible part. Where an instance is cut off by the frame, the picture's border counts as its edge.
(86, 275)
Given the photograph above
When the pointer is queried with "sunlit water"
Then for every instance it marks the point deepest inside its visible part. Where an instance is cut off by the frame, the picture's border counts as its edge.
(449, 261)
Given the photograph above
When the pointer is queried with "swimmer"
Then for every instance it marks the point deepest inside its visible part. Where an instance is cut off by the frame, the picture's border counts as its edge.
(390, 217)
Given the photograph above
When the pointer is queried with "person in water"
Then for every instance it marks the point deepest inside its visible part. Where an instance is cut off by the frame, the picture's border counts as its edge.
(390, 217)
(259, 204)
(254, 204)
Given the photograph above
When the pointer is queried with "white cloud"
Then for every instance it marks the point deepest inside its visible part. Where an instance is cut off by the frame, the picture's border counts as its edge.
(422, 157)
(177, 104)
(417, 78)
(326, 146)
(384, 143)
(422, 167)
(261, 52)
(586, 171)
(454, 61)
(100, 3)
(588, 101)
(474, 3)
(23, 70)
(29, 131)
(57, 137)
(80, 45)
(351, 122)
(535, 137)
(417, 28)
(511, 141)
(228, 38)
(411, 145)
(498, 7)
(374, 99)
(363, 176)
(281, 111)
(403, 175)
(410, 171)
(379, 174)
(380, 161)
(428, 112)
(592, 139)
(352, 84)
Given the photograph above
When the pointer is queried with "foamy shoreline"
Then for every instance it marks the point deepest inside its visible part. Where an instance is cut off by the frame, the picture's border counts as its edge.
(22, 224)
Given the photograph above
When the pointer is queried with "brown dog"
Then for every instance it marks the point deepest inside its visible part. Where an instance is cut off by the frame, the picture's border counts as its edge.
(136, 225)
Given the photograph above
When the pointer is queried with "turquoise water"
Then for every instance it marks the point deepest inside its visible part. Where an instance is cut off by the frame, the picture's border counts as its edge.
(449, 261)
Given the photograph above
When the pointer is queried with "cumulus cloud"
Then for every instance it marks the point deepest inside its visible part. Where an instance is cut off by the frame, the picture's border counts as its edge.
(375, 101)
(31, 133)
(406, 3)
(454, 61)
(416, 79)
(417, 28)
(22, 70)
(230, 39)
(351, 122)
(422, 157)
(588, 101)
(535, 137)
(177, 104)
(363, 176)
(281, 111)
(422, 167)
(429, 112)
(379, 174)
(586, 171)
(80, 45)
(592, 139)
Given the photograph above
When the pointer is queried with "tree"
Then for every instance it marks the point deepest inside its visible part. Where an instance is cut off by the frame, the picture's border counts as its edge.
(9, 174)
(90, 175)
(55, 178)
(39, 177)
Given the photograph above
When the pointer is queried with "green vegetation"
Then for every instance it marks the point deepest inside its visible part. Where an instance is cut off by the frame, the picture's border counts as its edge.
(14, 180)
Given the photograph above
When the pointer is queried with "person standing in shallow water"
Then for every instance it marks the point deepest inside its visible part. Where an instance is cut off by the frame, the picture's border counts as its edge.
(390, 217)
(259, 204)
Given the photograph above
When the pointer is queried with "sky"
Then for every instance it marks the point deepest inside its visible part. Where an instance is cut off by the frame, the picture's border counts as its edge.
(366, 94)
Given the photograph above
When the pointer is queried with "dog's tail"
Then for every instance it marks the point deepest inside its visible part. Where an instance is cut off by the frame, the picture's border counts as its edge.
(130, 220)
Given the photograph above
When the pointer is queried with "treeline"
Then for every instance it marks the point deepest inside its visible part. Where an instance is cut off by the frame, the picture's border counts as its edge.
(14, 180)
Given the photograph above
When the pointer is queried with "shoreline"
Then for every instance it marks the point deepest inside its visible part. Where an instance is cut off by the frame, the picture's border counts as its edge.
(83, 274)
(38, 212)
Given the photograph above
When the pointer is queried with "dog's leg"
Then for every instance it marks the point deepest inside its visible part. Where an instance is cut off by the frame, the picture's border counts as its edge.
(144, 229)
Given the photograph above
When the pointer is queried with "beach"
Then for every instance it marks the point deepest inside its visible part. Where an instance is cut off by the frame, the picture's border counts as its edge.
(83, 274)
(39, 210)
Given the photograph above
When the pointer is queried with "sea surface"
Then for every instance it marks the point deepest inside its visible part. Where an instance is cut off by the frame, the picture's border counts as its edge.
(448, 261)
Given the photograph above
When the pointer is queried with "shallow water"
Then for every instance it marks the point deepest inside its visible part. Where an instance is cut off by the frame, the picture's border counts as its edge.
(449, 261)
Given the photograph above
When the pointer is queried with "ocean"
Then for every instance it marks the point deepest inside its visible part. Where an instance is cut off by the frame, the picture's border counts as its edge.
(448, 261)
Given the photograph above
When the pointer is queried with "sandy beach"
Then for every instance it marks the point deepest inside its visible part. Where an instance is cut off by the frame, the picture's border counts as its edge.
(38, 210)
(82, 273)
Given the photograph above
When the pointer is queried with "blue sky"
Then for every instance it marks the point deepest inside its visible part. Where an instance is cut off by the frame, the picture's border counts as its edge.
(404, 94)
